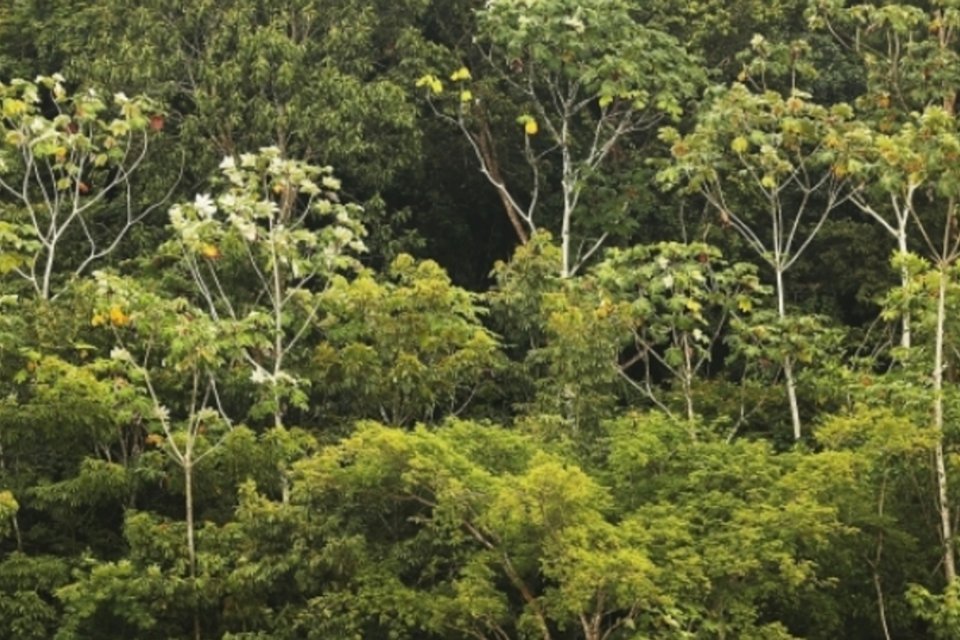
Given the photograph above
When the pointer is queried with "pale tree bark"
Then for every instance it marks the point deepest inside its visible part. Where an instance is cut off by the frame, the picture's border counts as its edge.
(783, 244)
(203, 393)
(902, 209)
(943, 499)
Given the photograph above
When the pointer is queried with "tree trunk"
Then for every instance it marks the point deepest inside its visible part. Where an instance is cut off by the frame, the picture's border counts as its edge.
(787, 362)
(905, 336)
(191, 543)
(688, 381)
(568, 184)
(943, 500)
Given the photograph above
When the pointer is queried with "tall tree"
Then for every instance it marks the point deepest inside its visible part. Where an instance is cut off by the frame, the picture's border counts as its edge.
(913, 87)
(762, 161)
(589, 80)
(67, 178)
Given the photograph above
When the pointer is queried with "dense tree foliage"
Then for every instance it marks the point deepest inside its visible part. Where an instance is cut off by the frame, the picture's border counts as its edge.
(449, 319)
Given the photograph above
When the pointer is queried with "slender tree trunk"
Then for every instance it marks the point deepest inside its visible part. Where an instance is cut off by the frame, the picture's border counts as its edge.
(875, 564)
(787, 362)
(191, 543)
(905, 336)
(48, 270)
(688, 380)
(277, 325)
(943, 500)
(568, 186)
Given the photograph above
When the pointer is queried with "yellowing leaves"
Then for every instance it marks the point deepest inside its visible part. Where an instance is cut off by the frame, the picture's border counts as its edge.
(154, 440)
(529, 123)
(740, 144)
(115, 316)
(209, 251)
(431, 82)
(460, 75)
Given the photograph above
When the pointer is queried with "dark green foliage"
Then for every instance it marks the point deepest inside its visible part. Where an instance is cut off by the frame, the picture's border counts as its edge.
(244, 393)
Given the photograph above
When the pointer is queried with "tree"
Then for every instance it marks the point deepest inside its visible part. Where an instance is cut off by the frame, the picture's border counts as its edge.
(404, 348)
(261, 252)
(914, 87)
(174, 354)
(67, 177)
(677, 300)
(590, 79)
(764, 163)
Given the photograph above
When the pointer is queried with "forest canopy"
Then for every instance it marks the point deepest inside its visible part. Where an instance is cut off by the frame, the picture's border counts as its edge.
(503, 320)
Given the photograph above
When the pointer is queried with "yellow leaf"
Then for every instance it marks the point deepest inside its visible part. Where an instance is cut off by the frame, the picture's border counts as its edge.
(210, 251)
(768, 181)
(117, 317)
(466, 96)
(432, 82)
(531, 127)
(740, 144)
(460, 74)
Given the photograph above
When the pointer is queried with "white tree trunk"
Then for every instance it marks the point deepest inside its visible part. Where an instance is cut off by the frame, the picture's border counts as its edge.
(787, 362)
(943, 500)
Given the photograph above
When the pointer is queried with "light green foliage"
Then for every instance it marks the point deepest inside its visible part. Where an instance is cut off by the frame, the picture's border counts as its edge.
(408, 348)
(8, 507)
(941, 611)
(260, 252)
(676, 300)
(424, 537)
(60, 156)
(741, 525)
(510, 515)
